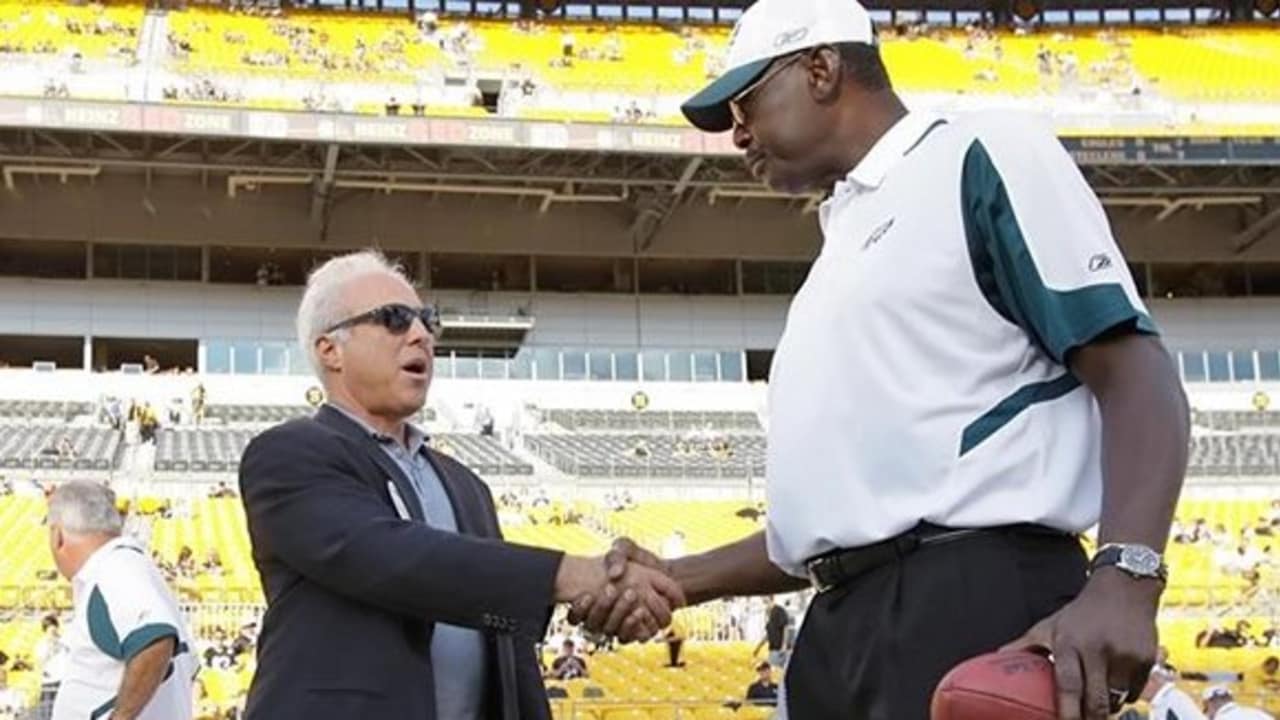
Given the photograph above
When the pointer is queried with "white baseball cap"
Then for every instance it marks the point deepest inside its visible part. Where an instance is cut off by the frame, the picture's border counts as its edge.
(770, 29)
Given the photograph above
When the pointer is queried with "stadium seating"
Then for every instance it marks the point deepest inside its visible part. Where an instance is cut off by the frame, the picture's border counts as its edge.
(255, 414)
(60, 28)
(652, 420)
(659, 456)
(40, 411)
(485, 455)
(37, 447)
(1234, 420)
(1253, 454)
(200, 450)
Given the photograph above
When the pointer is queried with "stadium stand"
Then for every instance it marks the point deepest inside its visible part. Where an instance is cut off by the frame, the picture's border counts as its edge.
(90, 30)
(661, 456)
(53, 447)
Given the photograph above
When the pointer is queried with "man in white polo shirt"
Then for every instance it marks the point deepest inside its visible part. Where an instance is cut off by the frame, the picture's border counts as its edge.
(1167, 700)
(1220, 704)
(967, 380)
(129, 656)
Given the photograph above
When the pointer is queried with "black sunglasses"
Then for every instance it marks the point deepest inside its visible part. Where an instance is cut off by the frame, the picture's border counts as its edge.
(397, 318)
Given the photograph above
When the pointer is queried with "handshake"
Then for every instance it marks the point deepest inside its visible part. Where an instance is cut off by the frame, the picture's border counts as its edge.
(629, 593)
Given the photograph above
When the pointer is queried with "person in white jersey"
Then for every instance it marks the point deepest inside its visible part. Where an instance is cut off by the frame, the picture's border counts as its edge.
(128, 645)
(1220, 704)
(966, 380)
(1167, 701)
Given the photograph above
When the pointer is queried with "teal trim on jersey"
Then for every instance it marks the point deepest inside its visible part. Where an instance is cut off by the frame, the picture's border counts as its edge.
(101, 630)
(139, 639)
(103, 709)
(1057, 321)
(1009, 408)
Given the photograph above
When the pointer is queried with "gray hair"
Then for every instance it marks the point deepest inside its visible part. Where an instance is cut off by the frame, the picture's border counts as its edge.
(322, 306)
(84, 507)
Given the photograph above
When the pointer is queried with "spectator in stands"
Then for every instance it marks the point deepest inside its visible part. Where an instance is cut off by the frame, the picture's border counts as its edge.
(22, 663)
(357, 524)
(1220, 704)
(1266, 675)
(764, 691)
(186, 562)
(1167, 700)
(212, 563)
(150, 365)
(52, 654)
(568, 665)
(130, 642)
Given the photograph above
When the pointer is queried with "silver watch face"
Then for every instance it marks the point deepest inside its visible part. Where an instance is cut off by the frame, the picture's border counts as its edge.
(1140, 560)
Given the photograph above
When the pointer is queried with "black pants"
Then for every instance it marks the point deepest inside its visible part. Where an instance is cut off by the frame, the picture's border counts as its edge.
(875, 648)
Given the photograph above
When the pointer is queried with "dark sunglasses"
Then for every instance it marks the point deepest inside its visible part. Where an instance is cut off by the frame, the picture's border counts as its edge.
(396, 318)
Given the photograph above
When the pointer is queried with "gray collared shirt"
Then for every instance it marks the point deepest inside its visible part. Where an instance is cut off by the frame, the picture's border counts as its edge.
(459, 655)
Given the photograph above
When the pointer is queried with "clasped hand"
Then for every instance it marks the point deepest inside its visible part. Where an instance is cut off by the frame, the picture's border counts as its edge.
(628, 594)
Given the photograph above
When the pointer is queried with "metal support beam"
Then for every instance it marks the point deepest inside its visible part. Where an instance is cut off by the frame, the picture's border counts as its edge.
(324, 186)
(1251, 235)
(683, 183)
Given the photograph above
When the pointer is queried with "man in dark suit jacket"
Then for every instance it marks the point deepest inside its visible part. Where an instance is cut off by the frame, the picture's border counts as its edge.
(390, 593)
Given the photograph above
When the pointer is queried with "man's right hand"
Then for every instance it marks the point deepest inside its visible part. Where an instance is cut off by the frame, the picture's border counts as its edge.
(609, 613)
(636, 598)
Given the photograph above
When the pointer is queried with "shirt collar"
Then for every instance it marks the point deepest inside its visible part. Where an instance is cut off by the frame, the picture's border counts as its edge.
(887, 151)
(416, 438)
(85, 573)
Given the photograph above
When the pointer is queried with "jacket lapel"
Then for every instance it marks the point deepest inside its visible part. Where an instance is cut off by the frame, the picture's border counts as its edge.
(393, 475)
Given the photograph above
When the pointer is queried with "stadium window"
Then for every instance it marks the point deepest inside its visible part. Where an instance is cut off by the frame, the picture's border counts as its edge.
(704, 367)
(674, 14)
(23, 351)
(275, 358)
(1147, 15)
(729, 14)
(521, 366)
(701, 14)
(1177, 15)
(1087, 17)
(546, 364)
(43, 259)
(600, 365)
(217, 357)
(146, 262)
(490, 273)
(574, 365)
(731, 366)
(687, 277)
(577, 11)
(654, 365)
(457, 6)
(773, 278)
(244, 357)
(679, 366)
(442, 367)
(639, 12)
(1193, 366)
(1219, 366)
(939, 17)
(759, 363)
(466, 366)
(626, 365)
(1116, 16)
(298, 362)
(1269, 365)
(493, 366)
(964, 17)
(585, 274)
(1242, 365)
(879, 17)
(1056, 17)
(170, 354)
(609, 12)
(1264, 279)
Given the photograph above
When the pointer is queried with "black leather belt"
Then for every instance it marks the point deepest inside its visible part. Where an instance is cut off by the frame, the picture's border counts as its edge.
(833, 569)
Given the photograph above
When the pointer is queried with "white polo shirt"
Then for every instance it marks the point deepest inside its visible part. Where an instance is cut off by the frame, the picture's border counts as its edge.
(1170, 703)
(1232, 711)
(921, 372)
(122, 606)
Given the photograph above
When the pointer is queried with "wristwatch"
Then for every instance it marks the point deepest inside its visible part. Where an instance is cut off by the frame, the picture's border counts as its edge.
(1137, 561)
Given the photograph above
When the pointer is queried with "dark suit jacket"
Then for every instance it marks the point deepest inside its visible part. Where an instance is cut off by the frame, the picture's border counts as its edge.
(353, 591)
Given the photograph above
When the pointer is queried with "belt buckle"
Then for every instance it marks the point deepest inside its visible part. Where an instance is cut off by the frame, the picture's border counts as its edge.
(818, 585)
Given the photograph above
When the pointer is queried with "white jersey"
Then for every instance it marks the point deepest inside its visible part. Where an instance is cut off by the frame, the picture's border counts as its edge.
(1170, 703)
(922, 372)
(122, 606)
